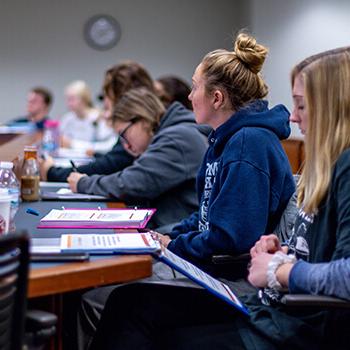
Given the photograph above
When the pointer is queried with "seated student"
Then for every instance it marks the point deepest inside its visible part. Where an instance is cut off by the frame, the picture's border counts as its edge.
(149, 316)
(170, 88)
(118, 79)
(39, 102)
(168, 149)
(245, 180)
(83, 126)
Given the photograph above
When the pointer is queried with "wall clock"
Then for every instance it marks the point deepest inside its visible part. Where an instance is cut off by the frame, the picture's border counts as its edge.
(102, 32)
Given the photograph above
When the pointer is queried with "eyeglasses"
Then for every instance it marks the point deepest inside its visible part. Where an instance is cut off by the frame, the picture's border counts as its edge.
(122, 137)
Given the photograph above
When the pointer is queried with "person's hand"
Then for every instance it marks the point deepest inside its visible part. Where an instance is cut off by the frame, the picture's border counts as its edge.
(73, 180)
(45, 165)
(65, 142)
(266, 244)
(90, 152)
(163, 239)
(258, 269)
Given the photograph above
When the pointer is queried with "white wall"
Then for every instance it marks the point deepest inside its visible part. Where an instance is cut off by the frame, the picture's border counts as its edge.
(293, 30)
(41, 41)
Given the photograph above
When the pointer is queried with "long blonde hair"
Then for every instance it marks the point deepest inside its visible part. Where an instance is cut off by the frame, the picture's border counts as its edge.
(326, 78)
(237, 71)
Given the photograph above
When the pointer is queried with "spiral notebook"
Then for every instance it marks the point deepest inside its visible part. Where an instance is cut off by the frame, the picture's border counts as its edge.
(96, 218)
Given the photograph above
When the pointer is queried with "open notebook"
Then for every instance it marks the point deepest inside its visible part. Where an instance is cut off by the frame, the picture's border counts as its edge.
(96, 218)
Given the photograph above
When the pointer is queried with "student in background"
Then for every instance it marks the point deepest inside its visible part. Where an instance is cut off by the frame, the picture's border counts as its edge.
(84, 127)
(168, 149)
(149, 316)
(170, 88)
(118, 79)
(39, 102)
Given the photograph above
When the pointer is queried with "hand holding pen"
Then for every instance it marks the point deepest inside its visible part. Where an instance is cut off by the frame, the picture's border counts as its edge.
(75, 169)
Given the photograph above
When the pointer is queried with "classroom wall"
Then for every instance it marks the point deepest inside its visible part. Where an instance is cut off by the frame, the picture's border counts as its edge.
(294, 30)
(41, 41)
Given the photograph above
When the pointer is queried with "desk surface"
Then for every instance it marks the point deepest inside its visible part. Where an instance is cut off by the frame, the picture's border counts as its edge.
(54, 278)
(51, 279)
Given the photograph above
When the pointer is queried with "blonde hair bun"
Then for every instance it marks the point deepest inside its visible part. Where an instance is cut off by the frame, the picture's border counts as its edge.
(249, 52)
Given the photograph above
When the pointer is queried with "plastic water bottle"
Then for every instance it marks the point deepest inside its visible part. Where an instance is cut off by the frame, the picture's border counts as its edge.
(50, 141)
(8, 181)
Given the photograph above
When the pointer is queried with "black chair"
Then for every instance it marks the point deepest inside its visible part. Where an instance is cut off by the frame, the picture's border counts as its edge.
(14, 260)
(318, 301)
(17, 325)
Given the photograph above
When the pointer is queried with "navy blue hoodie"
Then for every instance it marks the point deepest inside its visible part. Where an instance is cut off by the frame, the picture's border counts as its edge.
(243, 185)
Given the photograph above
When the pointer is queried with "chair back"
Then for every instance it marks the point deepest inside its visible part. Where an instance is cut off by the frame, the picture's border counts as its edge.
(14, 259)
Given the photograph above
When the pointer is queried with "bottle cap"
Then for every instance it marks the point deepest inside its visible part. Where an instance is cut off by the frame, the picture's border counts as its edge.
(6, 165)
(51, 123)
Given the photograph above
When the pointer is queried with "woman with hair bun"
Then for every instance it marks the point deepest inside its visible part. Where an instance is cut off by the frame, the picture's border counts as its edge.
(245, 180)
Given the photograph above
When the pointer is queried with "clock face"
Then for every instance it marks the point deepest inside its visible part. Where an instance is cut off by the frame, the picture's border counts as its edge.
(102, 32)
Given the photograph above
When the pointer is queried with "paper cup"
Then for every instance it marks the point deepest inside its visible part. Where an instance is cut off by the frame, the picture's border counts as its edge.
(5, 205)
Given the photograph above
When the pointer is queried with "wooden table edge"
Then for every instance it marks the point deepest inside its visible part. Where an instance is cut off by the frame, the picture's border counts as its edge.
(79, 275)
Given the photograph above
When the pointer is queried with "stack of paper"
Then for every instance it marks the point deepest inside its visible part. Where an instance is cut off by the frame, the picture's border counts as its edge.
(123, 243)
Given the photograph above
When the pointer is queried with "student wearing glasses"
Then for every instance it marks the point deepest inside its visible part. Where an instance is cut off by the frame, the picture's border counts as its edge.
(168, 149)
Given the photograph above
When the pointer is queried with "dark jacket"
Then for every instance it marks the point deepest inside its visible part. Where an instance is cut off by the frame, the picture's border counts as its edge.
(317, 239)
(115, 160)
(164, 175)
(244, 184)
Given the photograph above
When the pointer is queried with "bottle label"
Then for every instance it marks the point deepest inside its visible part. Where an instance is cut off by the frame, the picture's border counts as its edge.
(30, 188)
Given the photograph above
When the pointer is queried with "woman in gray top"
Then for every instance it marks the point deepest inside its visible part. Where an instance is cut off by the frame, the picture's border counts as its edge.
(168, 148)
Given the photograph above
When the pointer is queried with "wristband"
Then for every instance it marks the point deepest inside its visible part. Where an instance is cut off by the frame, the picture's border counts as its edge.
(276, 261)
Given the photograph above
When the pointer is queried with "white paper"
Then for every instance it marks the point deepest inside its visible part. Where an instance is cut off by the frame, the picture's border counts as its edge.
(109, 216)
(123, 242)
(202, 277)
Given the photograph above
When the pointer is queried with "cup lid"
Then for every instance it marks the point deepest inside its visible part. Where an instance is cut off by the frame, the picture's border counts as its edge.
(6, 165)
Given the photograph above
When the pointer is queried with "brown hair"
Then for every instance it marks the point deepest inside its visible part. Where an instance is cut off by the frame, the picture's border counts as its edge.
(327, 101)
(174, 89)
(139, 104)
(125, 76)
(237, 72)
(45, 93)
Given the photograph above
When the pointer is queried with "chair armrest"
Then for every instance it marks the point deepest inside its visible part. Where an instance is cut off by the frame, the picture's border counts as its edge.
(37, 319)
(230, 267)
(231, 259)
(314, 300)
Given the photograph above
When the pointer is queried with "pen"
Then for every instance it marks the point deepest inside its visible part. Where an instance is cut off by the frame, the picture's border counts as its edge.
(32, 211)
(73, 166)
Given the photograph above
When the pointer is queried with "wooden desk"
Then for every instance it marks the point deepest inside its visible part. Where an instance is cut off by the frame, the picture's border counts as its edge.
(11, 148)
(69, 277)
(56, 278)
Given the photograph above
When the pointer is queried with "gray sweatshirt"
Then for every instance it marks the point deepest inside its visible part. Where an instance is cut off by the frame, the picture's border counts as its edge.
(164, 176)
